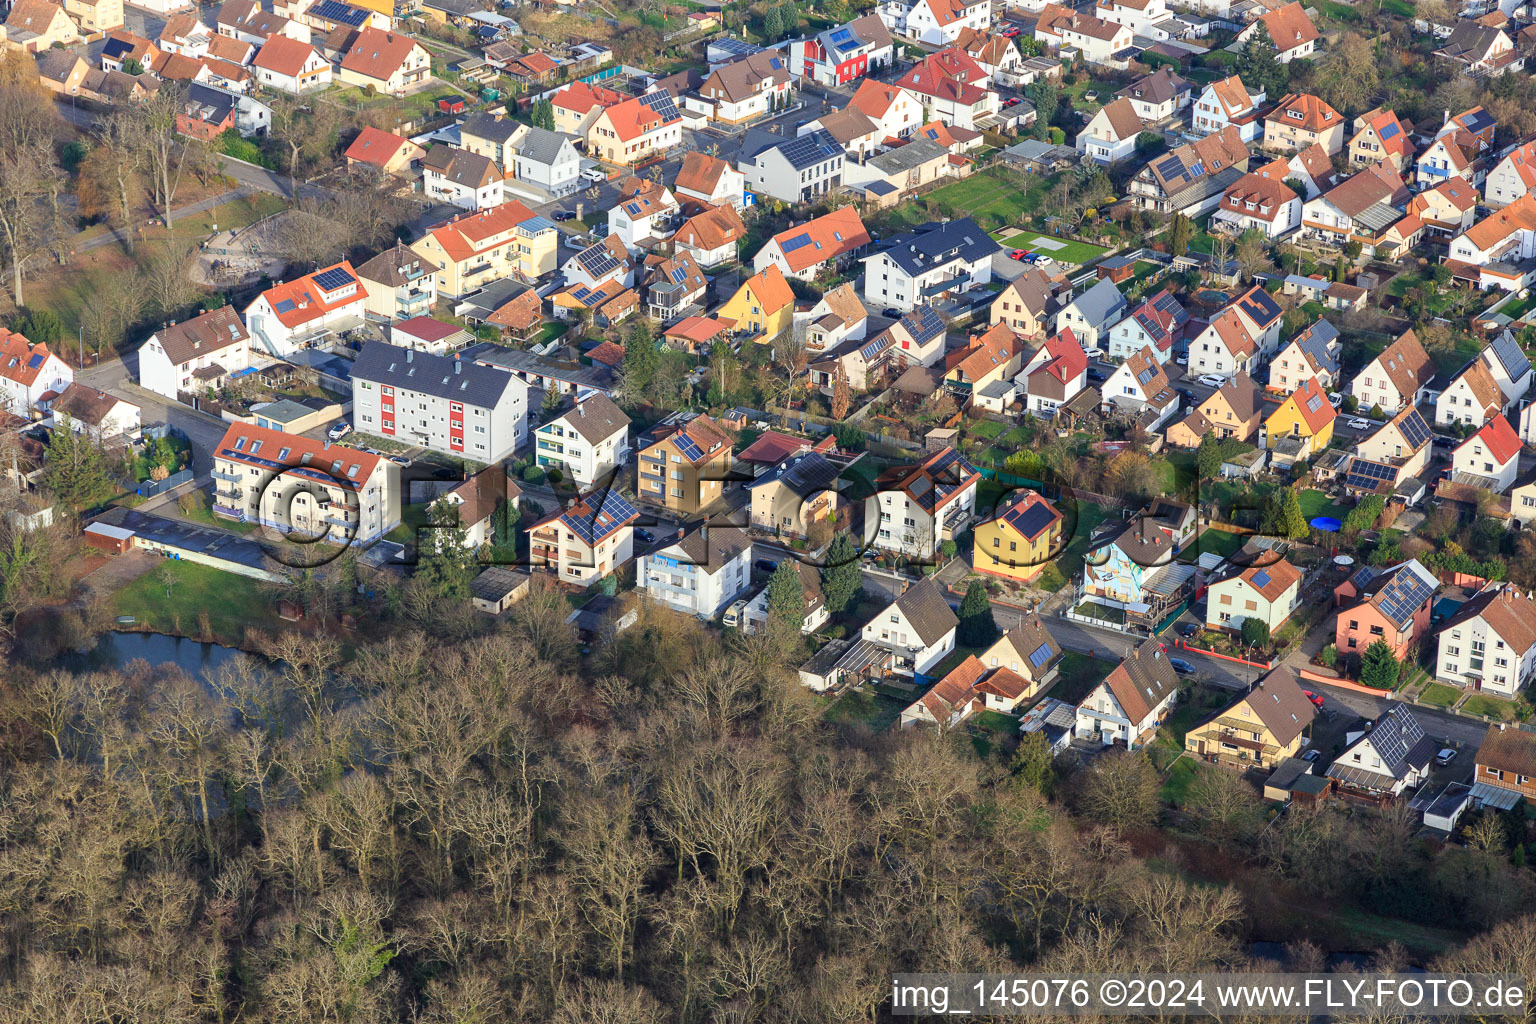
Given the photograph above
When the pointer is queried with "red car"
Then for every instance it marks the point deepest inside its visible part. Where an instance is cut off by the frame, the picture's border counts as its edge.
(1011, 101)
(1013, 31)
(1315, 698)
(1018, 254)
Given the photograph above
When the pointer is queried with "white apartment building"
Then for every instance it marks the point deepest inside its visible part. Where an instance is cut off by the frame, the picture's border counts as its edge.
(586, 441)
(1490, 643)
(700, 573)
(29, 373)
(920, 265)
(444, 403)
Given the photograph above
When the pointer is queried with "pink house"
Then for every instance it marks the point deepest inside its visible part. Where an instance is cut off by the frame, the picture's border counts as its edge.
(1391, 604)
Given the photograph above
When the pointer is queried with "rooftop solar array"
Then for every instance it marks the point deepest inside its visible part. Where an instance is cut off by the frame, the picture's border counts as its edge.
(1041, 655)
(1415, 430)
(1367, 475)
(1390, 131)
(923, 323)
(334, 278)
(690, 448)
(1260, 307)
(679, 274)
(342, 14)
(798, 242)
(1315, 403)
(1509, 354)
(1403, 594)
(1362, 576)
(597, 260)
(592, 525)
(805, 150)
(1395, 735)
(285, 306)
(1261, 579)
(1031, 521)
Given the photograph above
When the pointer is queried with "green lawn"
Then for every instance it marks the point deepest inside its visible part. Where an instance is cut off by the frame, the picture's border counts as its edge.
(858, 707)
(1215, 542)
(988, 429)
(1440, 695)
(1078, 674)
(1493, 707)
(1181, 775)
(990, 197)
(1089, 516)
(1062, 250)
(1316, 503)
(203, 516)
(232, 602)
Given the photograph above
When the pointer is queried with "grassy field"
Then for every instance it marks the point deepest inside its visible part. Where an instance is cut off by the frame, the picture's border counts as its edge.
(1440, 695)
(1316, 503)
(1181, 775)
(990, 196)
(1491, 706)
(1089, 516)
(876, 711)
(202, 515)
(1213, 542)
(1063, 250)
(231, 602)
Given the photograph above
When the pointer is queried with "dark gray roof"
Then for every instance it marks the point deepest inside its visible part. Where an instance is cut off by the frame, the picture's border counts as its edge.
(594, 418)
(905, 158)
(804, 475)
(207, 104)
(935, 244)
(1101, 302)
(517, 361)
(712, 548)
(1316, 340)
(495, 583)
(800, 152)
(485, 126)
(184, 536)
(1507, 351)
(923, 605)
(541, 145)
(462, 380)
(1398, 740)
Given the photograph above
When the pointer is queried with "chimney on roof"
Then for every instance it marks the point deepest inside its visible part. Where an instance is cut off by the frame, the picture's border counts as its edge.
(325, 446)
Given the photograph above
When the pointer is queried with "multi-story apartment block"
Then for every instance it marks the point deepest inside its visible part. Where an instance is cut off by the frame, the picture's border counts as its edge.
(701, 572)
(586, 440)
(587, 541)
(445, 403)
(472, 250)
(299, 485)
(400, 284)
(684, 468)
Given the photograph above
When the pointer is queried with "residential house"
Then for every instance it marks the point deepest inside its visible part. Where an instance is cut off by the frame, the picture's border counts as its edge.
(788, 499)
(1489, 644)
(1110, 135)
(1510, 366)
(202, 351)
(461, 178)
(1379, 135)
(1144, 17)
(95, 414)
(843, 53)
(643, 210)
(994, 52)
(587, 541)
(985, 368)
(1455, 154)
(472, 249)
(1191, 179)
(744, 90)
(1091, 314)
(825, 242)
(474, 504)
(1268, 592)
(711, 236)
(1490, 458)
(791, 169)
(1054, 374)
(302, 486)
(1300, 120)
(1447, 208)
(185, 34)
(1158, 323)
(935, 22)
(949, 701)
(1228, 103)
(1390, 756)
(1301, 427)
(635, 131)
(291, 315)
(1130, 563)
(1312, 168)
(918, 507)
(1025, 304)
(1133, 699)
(1290, 31)
(916, 631)
(850, 128)
(530, 69)
(247, 21)
(895, 112)
(1498, 242)
(815, 612)
(1233, 411)
(424, 334)
(1023, 534)
(917, 339)
(932, 260)
(762, 308)
(1260, 730)
(35, 25)
(709, 181)
(578, 105)
(888, 177)
(95, 16)
(123, 46)
(599, 263)
(1138, 388)
(1513, 177)
(952, 88)
(1025, 653)
(1261, 204)
(1099, 41)
(1364, 208)
(1396, 378)
(205, 113)
(1390, 605)
(386, 61)
(685, 465)
(446, 403)
(387, 152)
(62, 72)
(1472, 397)
(673, 285)
(1480, 51)
(1159, 95)
(521, 318)
(398, 283)
(290, 66)
(610, 303)
(699, 573)
(526, 152)
(837, 317)
(1314, 353)
(1506, 766)
(1225, 347)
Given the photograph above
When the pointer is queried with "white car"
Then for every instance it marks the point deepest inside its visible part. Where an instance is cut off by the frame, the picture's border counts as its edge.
(1044, 261)
(594, 174)
(1359, 424)
(339, 431)
(1210, 380)
(1335, 399)
(1182, 360)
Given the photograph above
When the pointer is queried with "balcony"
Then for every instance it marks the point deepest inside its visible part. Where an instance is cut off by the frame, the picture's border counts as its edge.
(233, 497)
(477, 270)
(232, 478)
(229, 512)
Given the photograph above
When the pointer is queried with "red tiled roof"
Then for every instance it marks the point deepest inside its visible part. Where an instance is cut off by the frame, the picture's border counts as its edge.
(17, 360)
(831, 235)
(372, 145)
(378, 54)
(1503, 444)
(309, 301)
(463, 237)
(285, 56)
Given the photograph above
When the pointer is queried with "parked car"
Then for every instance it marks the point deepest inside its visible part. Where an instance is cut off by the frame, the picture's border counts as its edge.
(1011, 101)
(765, 565)
(1013, 32)
(564, 215)
(1210, 380)
(1445, 757)
(1335, 399)
(645, 536)
(1096, 375)
(1441, 441)
(1187, 629)
(1042, 260)
(1359, 424)
(594, 174)
(1018, 254)
(339, 431)
(1311, 755)
(1181, 359)
(1181, 666)
(892, 312)
(400, 460)
(1315, 698)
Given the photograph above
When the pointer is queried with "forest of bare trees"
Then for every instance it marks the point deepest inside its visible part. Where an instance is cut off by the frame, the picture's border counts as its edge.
(493, 830)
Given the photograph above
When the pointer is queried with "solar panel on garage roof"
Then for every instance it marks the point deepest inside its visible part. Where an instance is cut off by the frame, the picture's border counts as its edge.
(1366, 475)
(1415, 430)
(334, 278)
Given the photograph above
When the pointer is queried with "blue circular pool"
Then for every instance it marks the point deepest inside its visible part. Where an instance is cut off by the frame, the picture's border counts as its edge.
(1327, 524)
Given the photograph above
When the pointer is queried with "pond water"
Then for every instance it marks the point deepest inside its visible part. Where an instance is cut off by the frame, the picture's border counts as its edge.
(115, 650)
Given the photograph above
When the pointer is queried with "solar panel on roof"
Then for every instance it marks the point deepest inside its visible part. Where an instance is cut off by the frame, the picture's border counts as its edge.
(1389, 131)
(334, 278)
(285, 306)
(678, 274)
(582, 294)
(1415, 430)
(798, 242)
(1509, 354)
(1366, 475)
(1041, 655)
(688, 447)
(1144, 376)
(1261, 579)
(1315, 403)
(35, 361)
(839, 35)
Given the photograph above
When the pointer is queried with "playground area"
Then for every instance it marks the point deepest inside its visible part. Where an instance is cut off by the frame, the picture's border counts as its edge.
(242, 255)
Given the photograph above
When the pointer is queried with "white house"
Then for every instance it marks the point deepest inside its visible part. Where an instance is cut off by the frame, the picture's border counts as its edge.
(445, 403)
(1054, 374)
(1127, 706)
(1110, 136)
(1139, 387)
(96, 414)
(1315, 352)
(1091, 314)
(29, 374)
(936, 22)
(1507, 235)
(194, 353)
(1491, 456)
(915, 508)
(1290, 30)
(894, 111)
(1490, 643)
(1158, 324)
(1259, 203)
(1472, 397)
(1228, 102)
(586, 440)
(709, 180)
(467, 180)
(290, 66)
(700, 572)
(1269, 593)
(814, 611)
(1394, 378)
(1498, 378)
(1512, 177)
(643, 210)
(933, 259)
(1099, 41)
(917, 629)
(1391, 755)
(1140, 16)
(291, 315)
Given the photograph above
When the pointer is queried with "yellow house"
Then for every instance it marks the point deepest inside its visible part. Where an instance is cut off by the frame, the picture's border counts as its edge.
(474, 249)
(1302, 426)
(1262, 729)
(685, 468)
(763, 307)
(95, 16)
(1018, 541)
(35, 25)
